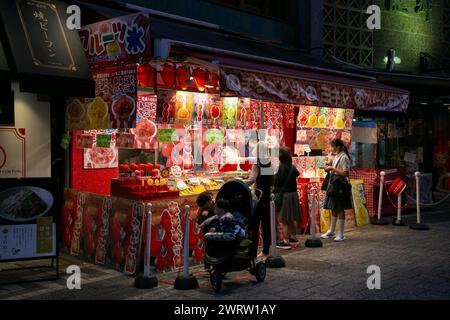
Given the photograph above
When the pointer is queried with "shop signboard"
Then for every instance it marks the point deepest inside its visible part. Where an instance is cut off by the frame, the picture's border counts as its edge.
(27, 219)
(309, 91)
(124, 40)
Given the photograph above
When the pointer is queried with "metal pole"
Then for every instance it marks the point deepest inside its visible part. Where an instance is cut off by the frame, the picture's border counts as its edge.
(148, 241)
(186, 281)
(312, 241)
(417, 174)
(274, 260)
(399, 221)
(419, 225)
(147, 281)
(380, 196)
(186, 244)
(273, 227)
(378, 220)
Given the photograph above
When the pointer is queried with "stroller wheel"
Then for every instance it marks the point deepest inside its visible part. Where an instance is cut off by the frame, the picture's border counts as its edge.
(216, 278)
(260, 271)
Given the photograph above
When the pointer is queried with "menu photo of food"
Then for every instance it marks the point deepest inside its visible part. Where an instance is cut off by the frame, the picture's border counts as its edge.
(322, 118)
(313, 117)
(76, 114)
(165, 106)
(348, 119)
(339, 119)
(229, 111)
(102, 158)
(24, 203)
(183, 108)
(302, 118)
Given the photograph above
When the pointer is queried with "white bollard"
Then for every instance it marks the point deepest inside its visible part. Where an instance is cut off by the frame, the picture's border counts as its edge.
(398, 221)
(417, 174)
(187, 281)
(274, 260)
(419, 225)
(378, 220)
(147, 281)
(312, 241)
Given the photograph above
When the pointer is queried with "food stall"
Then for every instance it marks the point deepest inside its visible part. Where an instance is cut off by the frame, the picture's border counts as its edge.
(160, 132)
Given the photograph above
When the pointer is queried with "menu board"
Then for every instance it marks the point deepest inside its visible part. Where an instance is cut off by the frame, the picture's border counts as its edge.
(114, 105)
(27, 219)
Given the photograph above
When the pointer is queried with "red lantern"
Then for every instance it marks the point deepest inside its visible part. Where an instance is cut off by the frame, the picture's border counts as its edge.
(181, 77)
(168, 75)
(145, 75)
(200, 77)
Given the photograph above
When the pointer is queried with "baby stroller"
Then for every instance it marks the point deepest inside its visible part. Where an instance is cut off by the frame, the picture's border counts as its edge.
(229, 256)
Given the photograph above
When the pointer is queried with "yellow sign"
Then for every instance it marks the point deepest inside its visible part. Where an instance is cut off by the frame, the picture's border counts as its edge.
(44, 235)
(359, 202)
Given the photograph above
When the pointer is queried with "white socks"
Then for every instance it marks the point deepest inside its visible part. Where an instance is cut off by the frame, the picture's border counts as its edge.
(341, 227)
(333, 224)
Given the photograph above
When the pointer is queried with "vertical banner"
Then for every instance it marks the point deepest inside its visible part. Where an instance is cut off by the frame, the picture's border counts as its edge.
(125, 226)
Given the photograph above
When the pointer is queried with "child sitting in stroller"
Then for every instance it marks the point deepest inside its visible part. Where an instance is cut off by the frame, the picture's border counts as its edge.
(224, 225)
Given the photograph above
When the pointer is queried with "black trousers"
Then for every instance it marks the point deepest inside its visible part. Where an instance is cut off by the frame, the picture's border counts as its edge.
(261, 216)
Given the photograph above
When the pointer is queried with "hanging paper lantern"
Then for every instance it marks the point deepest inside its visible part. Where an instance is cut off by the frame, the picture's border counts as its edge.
(145, 75)
(181, 77)
(200, 77)
(168, 75)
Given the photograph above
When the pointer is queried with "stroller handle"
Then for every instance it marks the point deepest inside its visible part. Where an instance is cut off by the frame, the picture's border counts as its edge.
(258, 193)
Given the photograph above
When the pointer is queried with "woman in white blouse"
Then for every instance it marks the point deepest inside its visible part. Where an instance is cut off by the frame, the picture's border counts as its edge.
(338, 168)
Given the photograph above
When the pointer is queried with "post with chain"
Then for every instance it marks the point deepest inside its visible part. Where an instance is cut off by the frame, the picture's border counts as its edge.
(419, 225)
(186, 281)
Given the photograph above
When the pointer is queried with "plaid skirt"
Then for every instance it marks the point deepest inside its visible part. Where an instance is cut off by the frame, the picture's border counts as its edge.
(290, 208)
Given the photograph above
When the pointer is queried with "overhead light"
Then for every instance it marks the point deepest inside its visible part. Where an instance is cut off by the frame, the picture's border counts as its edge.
(424, 103)
(189, 77)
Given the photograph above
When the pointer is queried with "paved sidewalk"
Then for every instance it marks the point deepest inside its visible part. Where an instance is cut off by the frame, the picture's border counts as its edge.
(414, 265)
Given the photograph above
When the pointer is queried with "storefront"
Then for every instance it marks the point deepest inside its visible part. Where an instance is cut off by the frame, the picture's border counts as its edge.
(163, 130)
(40, 62)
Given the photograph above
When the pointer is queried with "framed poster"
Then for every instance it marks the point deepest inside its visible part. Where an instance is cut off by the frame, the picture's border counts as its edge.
(27, 219)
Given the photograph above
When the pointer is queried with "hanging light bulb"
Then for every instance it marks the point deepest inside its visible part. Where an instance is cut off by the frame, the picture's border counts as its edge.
(189, 77)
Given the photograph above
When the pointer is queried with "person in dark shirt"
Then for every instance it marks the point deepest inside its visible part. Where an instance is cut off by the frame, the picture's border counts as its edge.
(205, 203)
(289, 213)
(262, 178)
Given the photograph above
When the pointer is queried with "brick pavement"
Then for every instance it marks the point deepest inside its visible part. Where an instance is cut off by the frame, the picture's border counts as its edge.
(414, 265)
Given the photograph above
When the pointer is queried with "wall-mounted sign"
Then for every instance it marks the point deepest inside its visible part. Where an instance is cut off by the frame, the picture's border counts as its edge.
(311, 91)
(124, 39)
(42, 45)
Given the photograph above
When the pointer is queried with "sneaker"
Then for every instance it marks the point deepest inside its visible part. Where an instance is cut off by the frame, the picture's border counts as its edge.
(328, 235)
(283, 245)
(339, 238)
(293, 240)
